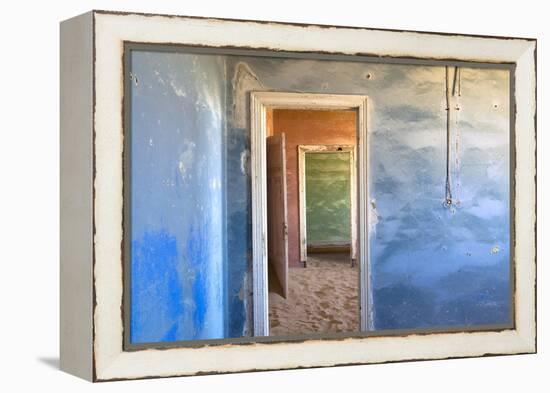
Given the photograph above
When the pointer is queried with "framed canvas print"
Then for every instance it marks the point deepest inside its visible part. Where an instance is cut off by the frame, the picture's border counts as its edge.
(245, 195)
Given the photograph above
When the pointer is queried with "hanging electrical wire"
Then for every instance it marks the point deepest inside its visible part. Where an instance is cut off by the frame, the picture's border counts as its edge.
(452, 95)
(448, 191)
(457, 93)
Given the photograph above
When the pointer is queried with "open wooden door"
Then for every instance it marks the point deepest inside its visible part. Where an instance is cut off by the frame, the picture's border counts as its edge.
(277, 225)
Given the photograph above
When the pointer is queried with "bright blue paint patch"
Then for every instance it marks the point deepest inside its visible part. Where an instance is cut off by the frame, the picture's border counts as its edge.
(199, 252)
(156, 292)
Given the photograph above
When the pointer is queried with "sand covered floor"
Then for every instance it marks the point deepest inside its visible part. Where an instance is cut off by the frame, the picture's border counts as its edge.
(322, 298)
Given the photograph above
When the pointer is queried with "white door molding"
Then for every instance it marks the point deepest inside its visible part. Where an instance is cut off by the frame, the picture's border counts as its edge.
(259, 103)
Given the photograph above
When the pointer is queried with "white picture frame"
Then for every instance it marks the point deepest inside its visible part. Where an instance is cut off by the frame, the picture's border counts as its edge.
(92, 124)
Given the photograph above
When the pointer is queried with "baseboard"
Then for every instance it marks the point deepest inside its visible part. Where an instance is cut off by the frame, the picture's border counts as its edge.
(329, 248)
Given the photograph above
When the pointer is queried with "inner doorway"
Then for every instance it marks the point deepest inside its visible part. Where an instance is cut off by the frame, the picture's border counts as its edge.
(313, 292)
(313, 285)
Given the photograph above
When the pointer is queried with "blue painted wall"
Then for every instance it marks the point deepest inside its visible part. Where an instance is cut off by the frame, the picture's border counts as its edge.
(177, 198)
(430, 266)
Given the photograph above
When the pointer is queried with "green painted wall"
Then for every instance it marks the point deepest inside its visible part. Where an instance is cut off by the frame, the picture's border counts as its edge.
(328, 198)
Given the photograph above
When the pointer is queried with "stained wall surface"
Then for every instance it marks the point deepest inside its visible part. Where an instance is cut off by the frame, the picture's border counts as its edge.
(431, 265)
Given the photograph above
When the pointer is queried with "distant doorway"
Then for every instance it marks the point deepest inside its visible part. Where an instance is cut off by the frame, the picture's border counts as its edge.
(327, 203)
(279, 277)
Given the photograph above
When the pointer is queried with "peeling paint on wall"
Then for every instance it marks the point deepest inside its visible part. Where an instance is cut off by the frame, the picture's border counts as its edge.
(373, 218)
(245, 162)
(244, 81)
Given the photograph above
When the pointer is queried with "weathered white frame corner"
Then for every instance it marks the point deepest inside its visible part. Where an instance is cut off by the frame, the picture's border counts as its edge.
(259, 103)
(302, 192)
(102, 265)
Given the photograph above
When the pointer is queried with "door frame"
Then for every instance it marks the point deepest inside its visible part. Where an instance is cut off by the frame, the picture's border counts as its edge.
(260, 101)
(334, 149)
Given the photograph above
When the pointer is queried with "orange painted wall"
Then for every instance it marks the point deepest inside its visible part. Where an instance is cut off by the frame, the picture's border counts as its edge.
(307, 127)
